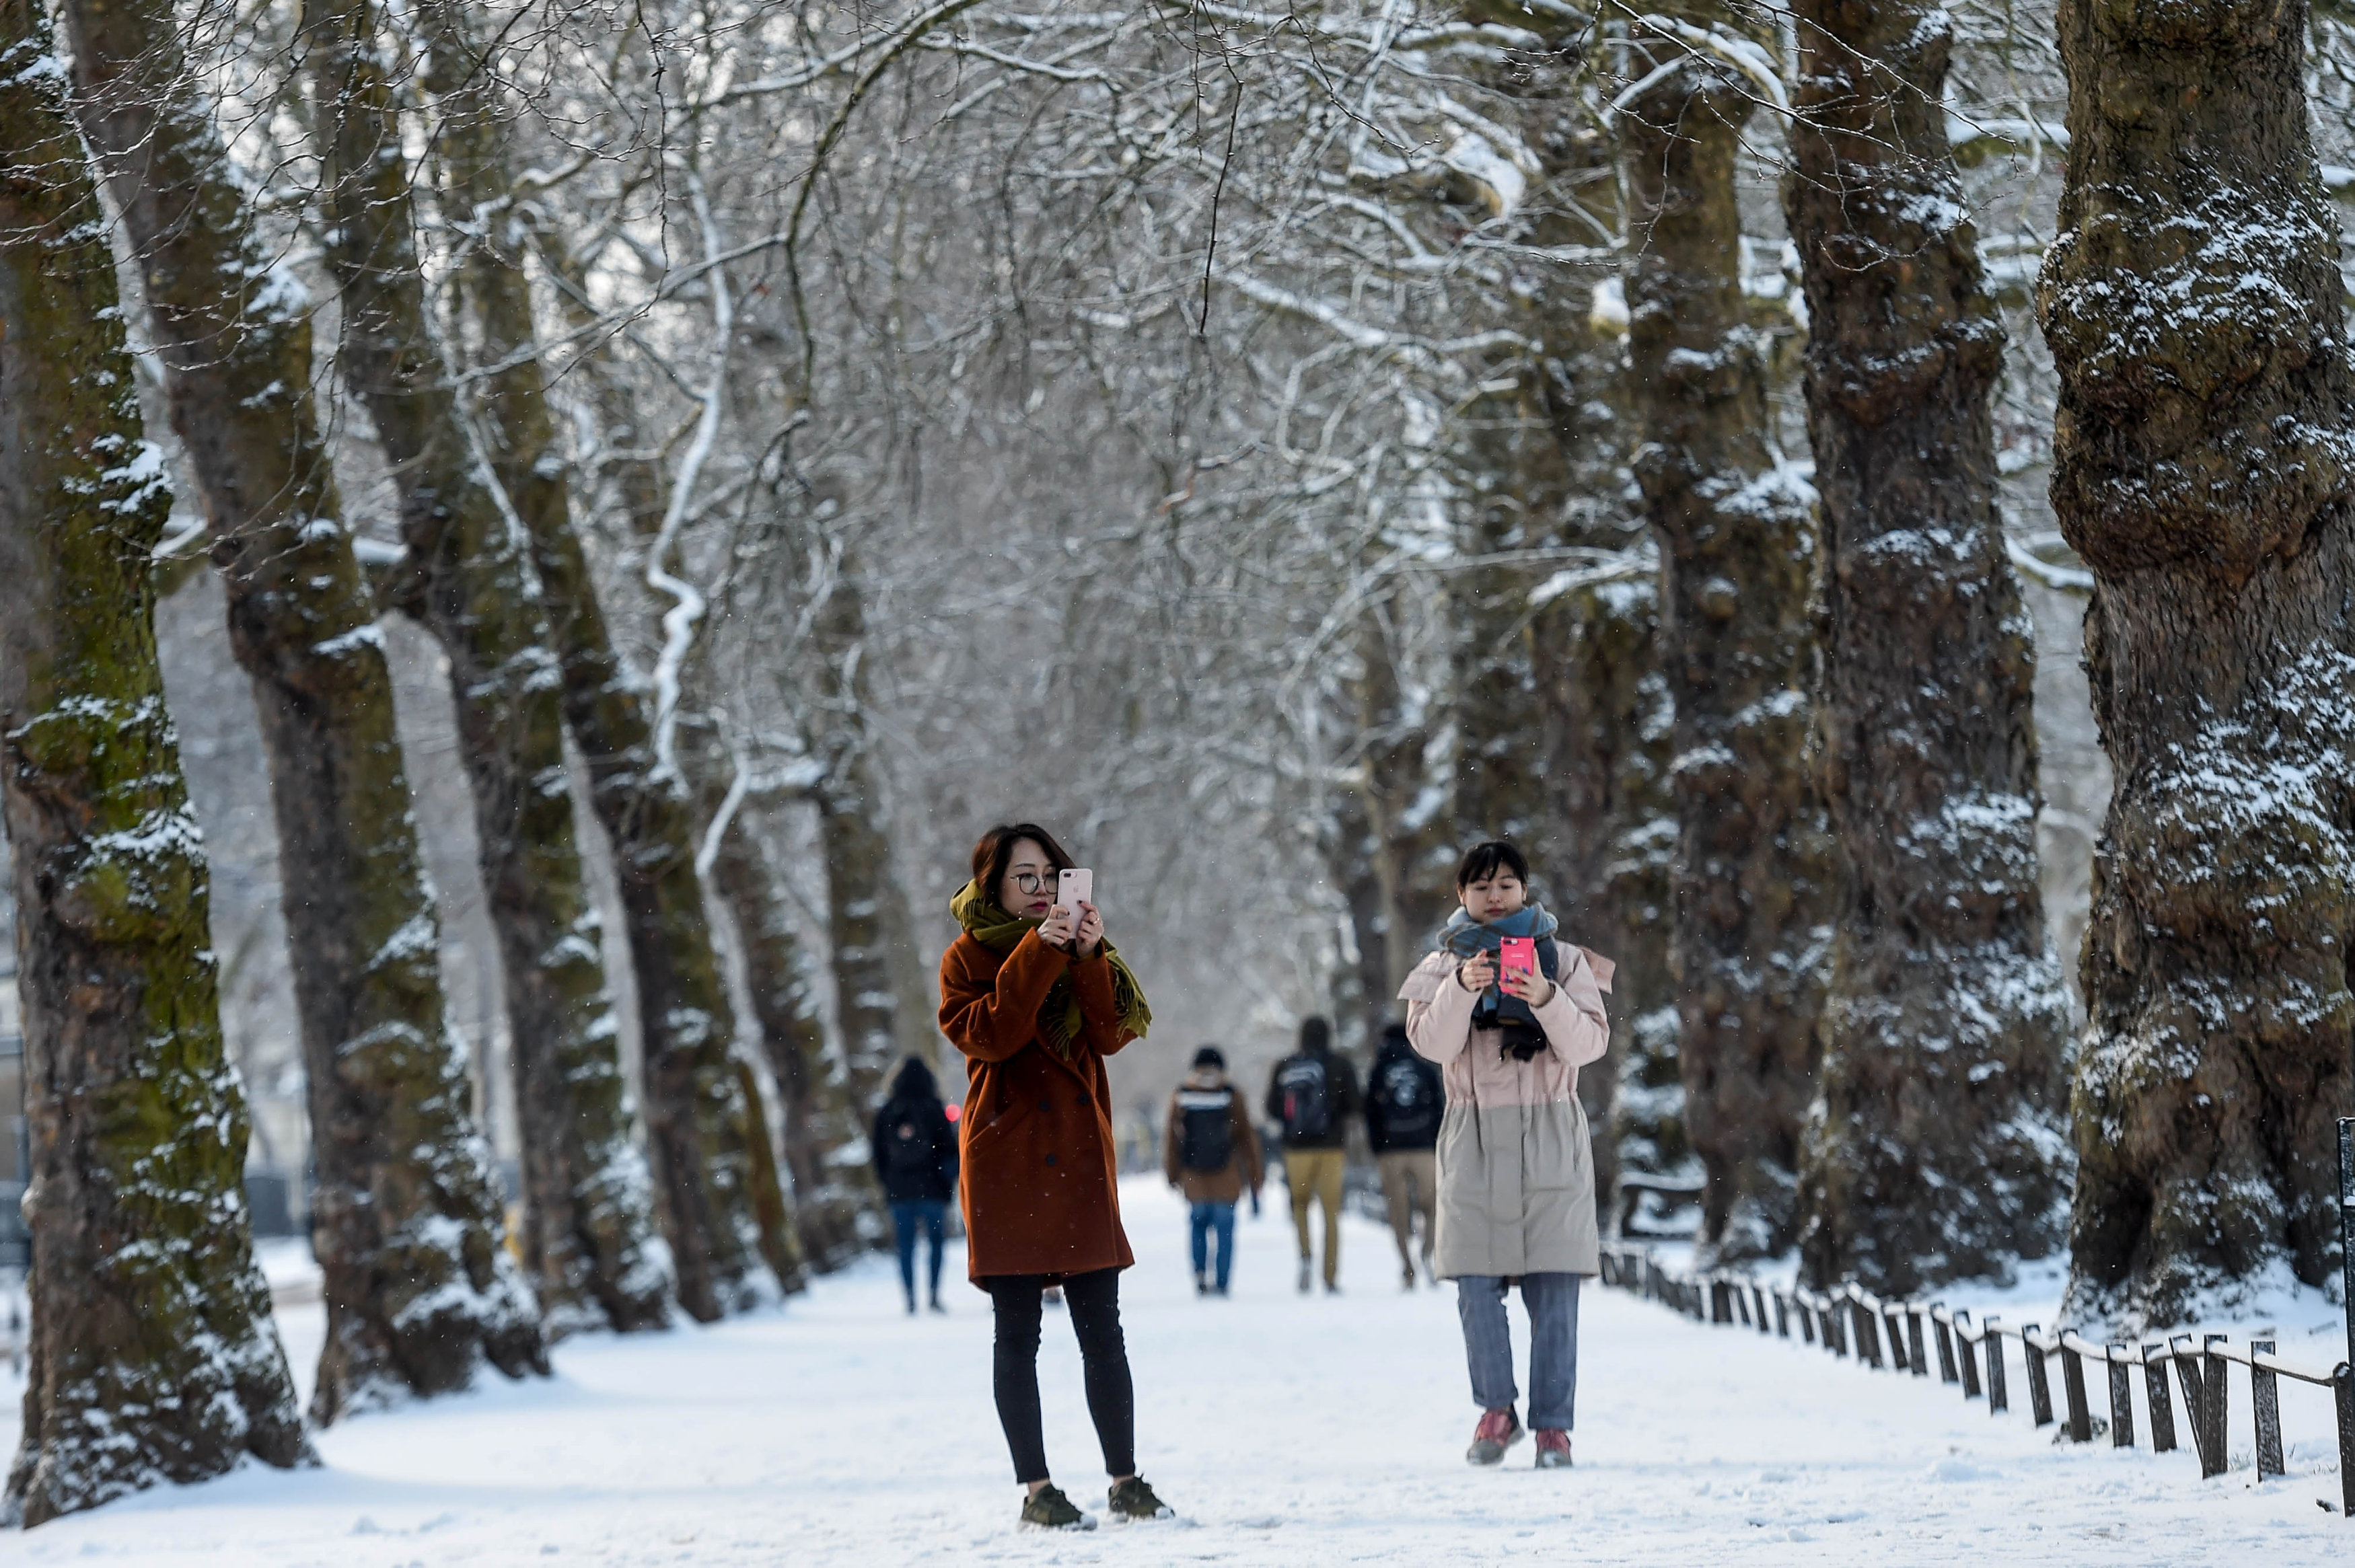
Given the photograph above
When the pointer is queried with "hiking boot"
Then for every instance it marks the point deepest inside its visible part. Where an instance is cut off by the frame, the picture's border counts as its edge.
(1553, 1449)
(1332, 1287)
(1499, 1430)
(1133, 1499)
(1410, 1282)
(1049, 1509)
(1202, 1285)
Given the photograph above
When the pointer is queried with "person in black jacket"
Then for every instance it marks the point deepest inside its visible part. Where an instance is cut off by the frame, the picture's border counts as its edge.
(1311, 1095)
(916, 1163)
(1404, 1103)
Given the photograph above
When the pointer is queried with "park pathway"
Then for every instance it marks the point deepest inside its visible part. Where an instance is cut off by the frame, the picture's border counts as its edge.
(1287, 1430)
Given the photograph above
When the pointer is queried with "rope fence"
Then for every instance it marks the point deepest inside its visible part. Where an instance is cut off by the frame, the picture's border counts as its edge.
(1903, 1337)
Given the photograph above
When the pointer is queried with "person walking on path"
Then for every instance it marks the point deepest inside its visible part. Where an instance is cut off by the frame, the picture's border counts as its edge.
(916, 1165)
(1036, 998)
(1311, 1095)
(1211, 1152)
(1404, 1103)
(1515, 1164)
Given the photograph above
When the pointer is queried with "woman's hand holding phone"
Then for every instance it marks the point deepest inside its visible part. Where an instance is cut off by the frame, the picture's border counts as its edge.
(1527, 985)
(1055, 930)
(1089, 935)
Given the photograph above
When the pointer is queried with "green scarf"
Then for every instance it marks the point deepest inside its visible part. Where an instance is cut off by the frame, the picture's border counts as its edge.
(1059, 1019)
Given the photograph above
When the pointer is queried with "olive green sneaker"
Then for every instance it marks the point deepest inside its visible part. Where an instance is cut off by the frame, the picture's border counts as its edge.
(1133, 1499)
(1049, 1509)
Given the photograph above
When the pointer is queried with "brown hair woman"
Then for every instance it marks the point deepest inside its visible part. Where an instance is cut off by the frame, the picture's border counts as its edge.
(1037, 998)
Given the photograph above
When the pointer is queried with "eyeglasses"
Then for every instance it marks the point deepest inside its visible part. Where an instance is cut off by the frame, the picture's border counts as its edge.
(1031, 883)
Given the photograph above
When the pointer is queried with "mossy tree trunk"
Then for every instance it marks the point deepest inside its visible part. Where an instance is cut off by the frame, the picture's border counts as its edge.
(1754, 867)
(1388, 840)
(699, 1127)
(2204, 467)
(1611, 722)
(824, 1134)
(419, 1284)
(869, 927)
(588, 1204)
(154, 1358)
(1936, 1151)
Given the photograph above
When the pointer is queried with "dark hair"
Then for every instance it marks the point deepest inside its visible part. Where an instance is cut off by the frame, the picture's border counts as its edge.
(1211, 1056)
(1484, 861)
(1316, 1033)
(996, 851)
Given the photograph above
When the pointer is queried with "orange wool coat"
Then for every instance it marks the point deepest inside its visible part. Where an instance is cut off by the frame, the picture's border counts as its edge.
(1039, 1181)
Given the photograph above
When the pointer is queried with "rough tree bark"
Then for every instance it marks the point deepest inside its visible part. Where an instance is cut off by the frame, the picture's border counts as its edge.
(1611, 721)
(1389, 842)
(699, 1127)
(154, 1358)
(588, 1215)
(869, 932)
(1935, 1153)
(1754, 863)
(419, 1284)
(825, 1137)
(2202, 460)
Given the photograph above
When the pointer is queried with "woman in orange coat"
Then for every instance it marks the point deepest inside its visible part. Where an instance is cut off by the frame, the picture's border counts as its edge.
(1036, 998)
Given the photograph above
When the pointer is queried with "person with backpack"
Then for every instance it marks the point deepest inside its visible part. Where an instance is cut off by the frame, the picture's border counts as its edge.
(916, 1165)
(1403, 1102)
(1516, 1160)
(1036, 998)
(1211, 1152)
(1311, 1096)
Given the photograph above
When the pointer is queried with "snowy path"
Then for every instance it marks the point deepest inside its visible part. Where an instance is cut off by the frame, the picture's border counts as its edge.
(1290, 1431)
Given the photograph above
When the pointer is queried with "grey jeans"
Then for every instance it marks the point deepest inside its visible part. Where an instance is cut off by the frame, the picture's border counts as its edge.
(1552, 1302)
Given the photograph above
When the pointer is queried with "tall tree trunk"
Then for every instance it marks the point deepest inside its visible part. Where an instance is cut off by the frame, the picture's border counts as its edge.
(153, 1356)
(419, 1284)
(2202, 468)
(588, 1219)
(1935, 1153)
(1752, 878)
(825, 1138)
(869, 925)
(1610, 725)
(699, 1125)
(1390, 843)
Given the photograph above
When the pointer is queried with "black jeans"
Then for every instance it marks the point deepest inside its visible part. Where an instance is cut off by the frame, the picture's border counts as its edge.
(1093, 1302)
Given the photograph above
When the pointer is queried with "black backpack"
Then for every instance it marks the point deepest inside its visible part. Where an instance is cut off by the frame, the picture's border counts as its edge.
(908, 1148)
(1410, 1110)
(1205, 1137)
(1307, 1099)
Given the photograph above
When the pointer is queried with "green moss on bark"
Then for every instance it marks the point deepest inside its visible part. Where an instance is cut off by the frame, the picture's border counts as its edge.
(153, 1357)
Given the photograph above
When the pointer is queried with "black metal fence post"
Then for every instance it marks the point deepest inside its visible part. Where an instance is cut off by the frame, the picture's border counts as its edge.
(1999, 1390)
(2040, 1389)
(2265, 1398)
(2162, 1403)
(2073, 1382)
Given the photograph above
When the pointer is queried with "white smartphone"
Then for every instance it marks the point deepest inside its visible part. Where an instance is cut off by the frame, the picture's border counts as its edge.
(1075, 885)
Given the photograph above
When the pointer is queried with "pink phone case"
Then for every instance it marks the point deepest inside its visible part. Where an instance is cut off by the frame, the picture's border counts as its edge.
(1075, 886)
(1517, 953)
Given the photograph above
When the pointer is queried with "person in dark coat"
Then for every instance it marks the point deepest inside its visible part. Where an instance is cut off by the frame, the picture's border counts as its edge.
(1313, 1096)
(916, 1165)
(1210, 1152)
(1036, 998)
(1404, 1102)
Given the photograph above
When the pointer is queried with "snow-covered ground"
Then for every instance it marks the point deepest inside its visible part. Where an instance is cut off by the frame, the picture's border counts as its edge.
(1285, 1430)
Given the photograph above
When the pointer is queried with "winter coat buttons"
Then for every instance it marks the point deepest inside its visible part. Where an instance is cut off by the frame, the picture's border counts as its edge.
(1050, 1159)
(1045, 1105)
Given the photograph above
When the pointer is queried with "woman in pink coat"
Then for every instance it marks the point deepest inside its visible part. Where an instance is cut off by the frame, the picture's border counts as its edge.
(1516, 1160)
